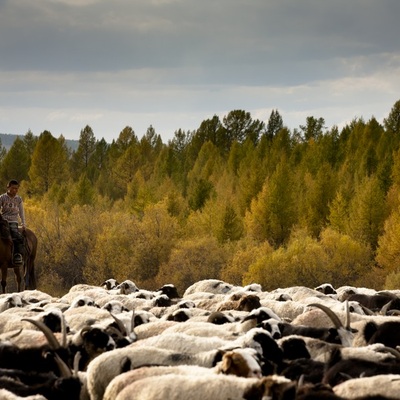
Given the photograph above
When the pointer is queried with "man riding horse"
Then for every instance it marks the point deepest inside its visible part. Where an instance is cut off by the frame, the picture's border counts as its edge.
(12, 210)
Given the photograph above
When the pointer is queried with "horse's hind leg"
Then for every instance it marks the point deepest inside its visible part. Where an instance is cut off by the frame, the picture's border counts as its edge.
(4, 279)
(17, 272)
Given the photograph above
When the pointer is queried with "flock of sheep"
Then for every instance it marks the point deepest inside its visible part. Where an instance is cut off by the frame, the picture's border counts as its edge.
(215, 341)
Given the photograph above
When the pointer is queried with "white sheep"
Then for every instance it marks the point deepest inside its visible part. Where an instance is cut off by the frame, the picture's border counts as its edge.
(231, 363)
(379, 385)
(210, 286)
(78, 317)
(10, 301)
(287, 310)
(107, 366)
(207, 387)
(7, 395)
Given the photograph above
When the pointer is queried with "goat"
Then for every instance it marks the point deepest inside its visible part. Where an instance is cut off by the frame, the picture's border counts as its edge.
(339, 369)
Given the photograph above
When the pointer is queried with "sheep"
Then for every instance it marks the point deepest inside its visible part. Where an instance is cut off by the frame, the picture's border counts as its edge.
(109, 284)
(82, 300)
(77, 318)
(184, 343)
(241, 302)
(344, 291)
(10, 301)
(121, 381)
(11, 319)
(125, 287)
(106, 366)
(326, 288)
(35, 296)
(49, 385)
(207, 387)
(376, 302)
(153, 328)
(214, 286)
(170, 290)
(379, 385)
(114, 306)
(287, 310)
(386, 333)
(183, 314)
(7, 395)
(232, 363)
(219, 318)
(229, 331)
(339, 369)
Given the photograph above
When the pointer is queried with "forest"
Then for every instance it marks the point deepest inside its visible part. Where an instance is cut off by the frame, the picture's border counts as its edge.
(237, 199)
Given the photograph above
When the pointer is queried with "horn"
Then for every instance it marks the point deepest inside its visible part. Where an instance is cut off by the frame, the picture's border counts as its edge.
(65, 371)
(347, 308)
(385, 308)
(393, 312)
(77, 359)
(391, 350)
(63, 331)
(120, 324)
(53, 342)
(367, 310)
(333, 317)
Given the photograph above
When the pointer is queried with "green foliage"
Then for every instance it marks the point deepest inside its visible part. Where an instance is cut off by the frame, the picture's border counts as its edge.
(16, 162)
(271, 214)
(367, 211)
(49, 163)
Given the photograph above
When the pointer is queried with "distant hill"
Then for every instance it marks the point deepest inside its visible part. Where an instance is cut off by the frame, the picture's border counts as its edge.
(7, 141)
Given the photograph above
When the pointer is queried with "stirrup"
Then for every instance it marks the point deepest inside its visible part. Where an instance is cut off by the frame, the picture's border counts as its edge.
(18, 258)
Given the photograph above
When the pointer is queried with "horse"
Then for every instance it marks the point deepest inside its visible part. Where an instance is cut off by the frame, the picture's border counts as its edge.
(6, 258)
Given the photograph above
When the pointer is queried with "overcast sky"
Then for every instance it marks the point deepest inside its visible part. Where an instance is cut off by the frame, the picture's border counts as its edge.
(65, 64)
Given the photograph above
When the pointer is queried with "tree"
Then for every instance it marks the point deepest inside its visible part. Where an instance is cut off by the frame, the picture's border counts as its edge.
(210, 130)
(367, 211)
(3, 152)
(86, 147)
(82, 192)
(271, 214)
(313, 128)
(388, 251)
(230, 226)
(98, 160)
(30, 142)
(392, 122)
(274, 125)
(339, 212)
(49, 163)
(239, 126)
(16, 162)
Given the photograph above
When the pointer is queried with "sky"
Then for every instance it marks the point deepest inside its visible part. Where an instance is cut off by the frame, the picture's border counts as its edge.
(171, 64)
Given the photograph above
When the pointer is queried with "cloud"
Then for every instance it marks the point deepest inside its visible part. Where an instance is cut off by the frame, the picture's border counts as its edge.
(173, 63)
